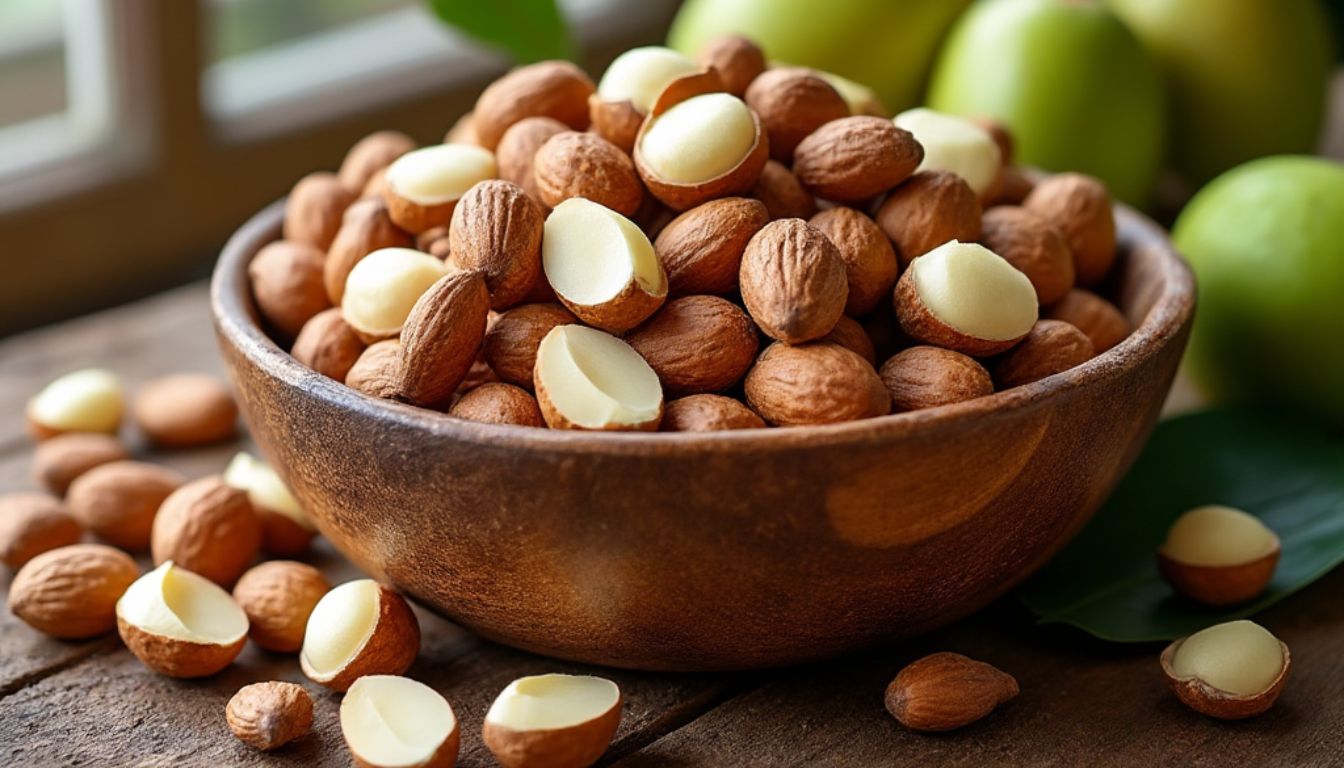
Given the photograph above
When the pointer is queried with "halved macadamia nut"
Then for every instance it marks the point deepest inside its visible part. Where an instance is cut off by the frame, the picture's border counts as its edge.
(965, 297)
(640, 74)
(396, 722)
(602, 267)
(181, 624)
(587, 379)
(422, 187)
(1218, 555)
(382, 289)
(552, 720)
(706, 146)
(90, 400)
(359, 628)
(286, 530)
(1229, 671)
(954, 144)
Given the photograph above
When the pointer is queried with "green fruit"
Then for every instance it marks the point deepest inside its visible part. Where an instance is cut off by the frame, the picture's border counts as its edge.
(1266, 241)
(1077, 89)
(1247, 78)
(886, 45)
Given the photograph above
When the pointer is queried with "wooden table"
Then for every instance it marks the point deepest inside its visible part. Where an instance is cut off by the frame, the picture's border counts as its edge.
(1083, 702)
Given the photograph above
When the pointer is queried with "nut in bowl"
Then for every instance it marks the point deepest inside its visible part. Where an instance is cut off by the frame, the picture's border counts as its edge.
(604, 540)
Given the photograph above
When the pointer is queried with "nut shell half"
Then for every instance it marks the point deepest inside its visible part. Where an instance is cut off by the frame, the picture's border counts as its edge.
(1211, 701)
(1220, 584)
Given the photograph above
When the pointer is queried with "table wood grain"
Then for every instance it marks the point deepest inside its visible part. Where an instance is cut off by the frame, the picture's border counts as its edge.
(1083, 702)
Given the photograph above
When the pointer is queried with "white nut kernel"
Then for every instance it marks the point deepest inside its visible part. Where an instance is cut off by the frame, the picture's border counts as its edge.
(601, 265)
(90, 400)
(1216, 535)
(553, 720)
(587, 379)
(975, 291)
(699, 139)
(954, 144)
(441, 173)
(264, 487)
(383, 287)
(389, 721)
(1238, 657)
(640, 74)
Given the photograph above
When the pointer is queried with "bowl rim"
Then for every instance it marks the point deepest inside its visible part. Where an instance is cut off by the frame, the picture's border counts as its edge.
(232, 310)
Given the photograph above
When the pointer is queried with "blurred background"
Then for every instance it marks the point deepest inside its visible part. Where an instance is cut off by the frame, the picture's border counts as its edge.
(135, 135)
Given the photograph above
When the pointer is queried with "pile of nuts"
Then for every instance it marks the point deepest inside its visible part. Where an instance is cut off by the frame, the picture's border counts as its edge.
(690, 244)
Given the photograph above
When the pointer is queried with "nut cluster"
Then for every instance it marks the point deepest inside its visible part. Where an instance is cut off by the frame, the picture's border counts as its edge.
(583, 256)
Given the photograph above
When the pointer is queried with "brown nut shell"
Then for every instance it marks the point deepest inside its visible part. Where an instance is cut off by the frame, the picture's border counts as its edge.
(927, 377)
(1051, 347)
(870, 262)
(370, 155)
(72, 592)
(287, 284)
(697, 344)
(267, 716)
(365, 228)
(854, 159)
(119, 500)
(919, 323)
(314, 209)
(518, 149)
(929, 209)
(57, 462)
(793, 281)
(208, 527)
(793, 102)
(1220, 585)
(850, 334)
(701, 249)
(946, 691)
(1080, 208)
(1208, 700)
(1101, 320)
(510, 347)
(178, 658)
(708, 413)
(278, 596)
(817, 383)
(616, 121)
(389, 650)
(782, 194)
(573, 164)
(737, 60)
(186, 411)
(33, 523)
(554, 89)
(1033, 246)
(499, 403)
(496, 231)
(442, 338)
(377, 371)
(328, 345)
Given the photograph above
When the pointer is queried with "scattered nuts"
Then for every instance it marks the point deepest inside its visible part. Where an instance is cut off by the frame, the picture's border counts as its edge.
(1229, 671)
(1098, 318)
(1218, 555)
(1031, 244)
(601, 266)
(185, 411)
(209, 528)
(1051, 347)
(396, 722)
(72, 592)
(954, 144)
(422, 187)
(555, 89)
(849, 333)
(552, 720)
(697, 344)
(818, 383)
(701, 249)
(737, 60)
(33, 523)
(793, 281)
(587, 379)
(328, 345)
(927, 377)
(946, 691)
(59, 461)
(359, 628)
(286, 530)
(181, 624)
(1080, 208)
(267, 716)
(497, 231)
(377, 372)
(119, 500)
(370, 155)
(365, 228)
(518, 147)
(83, 401)
(964, 297)
(499, 403)
(932, 208)
(510, 347)
(442, 338)
(707, 146)
(708, 413)
(783, 194)
(793, 102)
(572, 164)
(313, 212)
(853, 159)
(278, 597)
(382, 289)
(287, 285)
(870, 263)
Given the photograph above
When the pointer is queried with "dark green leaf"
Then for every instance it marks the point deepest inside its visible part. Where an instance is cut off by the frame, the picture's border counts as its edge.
(530, 30)
(1288, 473)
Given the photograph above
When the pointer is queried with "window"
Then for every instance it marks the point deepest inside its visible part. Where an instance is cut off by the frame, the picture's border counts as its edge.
(32, 61)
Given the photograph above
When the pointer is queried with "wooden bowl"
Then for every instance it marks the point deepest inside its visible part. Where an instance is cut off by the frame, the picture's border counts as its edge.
(728, 550)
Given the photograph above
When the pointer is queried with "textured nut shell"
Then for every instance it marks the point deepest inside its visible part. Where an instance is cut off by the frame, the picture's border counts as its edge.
(1014, 186)
(555, 89)
(870, 263)
(370, 155)
(434, 242)
(287, 285)
(497, 231)
(442, 338)
(59, 461)
(856, 158)
(72, 592)
(518, 148)
(1208, 700)
(414, 217)
(701, 249)
(1080, 208)
(1033, 246)
(946, 691)
(929, 209)
(793, 281)
(377, 371)
(793, 102)
(578, 745)
(818, 383)
(1052, 346)
(281, 535)
(178, 658)
(782, 194)
(119, 500)
(616, 121)
(278, 597)
(33, 523)
(850, 334)
(186, 411)
(365, 228)
(499, 403)
(327, 344)
(511, 343)
(1098, 318)
(919, 323)
(573, 164)
(390, 650)
(269, 715)
(708, 413)
(1220, 584)
(697, 344)
(627, 309)
(927, 377)
(737, 60)
(208, 527)
(313, 212)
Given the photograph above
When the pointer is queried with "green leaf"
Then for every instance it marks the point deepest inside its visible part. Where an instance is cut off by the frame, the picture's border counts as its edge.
(1288, 473)
(530, 30)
